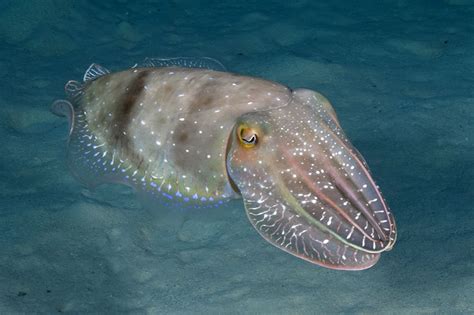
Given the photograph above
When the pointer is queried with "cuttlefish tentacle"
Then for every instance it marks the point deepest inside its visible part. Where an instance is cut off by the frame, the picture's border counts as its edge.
(183, 130)
(321, 193)
(351, 174)
(347, 217)
(284, 223)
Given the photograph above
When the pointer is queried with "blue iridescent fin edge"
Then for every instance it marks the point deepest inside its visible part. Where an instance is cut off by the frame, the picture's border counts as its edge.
(185, 62)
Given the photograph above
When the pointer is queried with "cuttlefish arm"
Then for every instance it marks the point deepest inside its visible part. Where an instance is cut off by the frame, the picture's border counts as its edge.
(306, 190)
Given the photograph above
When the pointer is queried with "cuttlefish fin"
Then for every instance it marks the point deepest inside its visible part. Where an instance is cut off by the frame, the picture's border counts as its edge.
(184, 62)
(281, 227)
(74, 92)
(89, 160)
(64, 108)
(94, 71)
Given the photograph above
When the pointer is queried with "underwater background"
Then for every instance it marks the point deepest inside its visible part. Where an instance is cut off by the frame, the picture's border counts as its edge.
(400, 75)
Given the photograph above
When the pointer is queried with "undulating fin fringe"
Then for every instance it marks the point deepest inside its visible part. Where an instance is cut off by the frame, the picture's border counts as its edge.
(87, 159)
(94, 71)
(74, 91)
(185, 62)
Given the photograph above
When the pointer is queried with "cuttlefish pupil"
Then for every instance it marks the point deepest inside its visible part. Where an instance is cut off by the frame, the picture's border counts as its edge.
(184, 130)
(247, 136)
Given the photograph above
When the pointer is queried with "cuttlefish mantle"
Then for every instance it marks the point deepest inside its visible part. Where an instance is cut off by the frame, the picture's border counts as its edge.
(186, 131)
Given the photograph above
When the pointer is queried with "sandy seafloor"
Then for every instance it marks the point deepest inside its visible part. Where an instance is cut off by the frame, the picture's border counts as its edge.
(400, 75)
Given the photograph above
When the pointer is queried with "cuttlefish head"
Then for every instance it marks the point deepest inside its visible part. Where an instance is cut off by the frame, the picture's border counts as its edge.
(306, 189)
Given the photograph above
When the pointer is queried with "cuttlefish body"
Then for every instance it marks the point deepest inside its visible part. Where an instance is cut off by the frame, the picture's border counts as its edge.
(184, 130)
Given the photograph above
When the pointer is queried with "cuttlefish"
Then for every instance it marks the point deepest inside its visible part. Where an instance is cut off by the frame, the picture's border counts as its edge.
(184, 129)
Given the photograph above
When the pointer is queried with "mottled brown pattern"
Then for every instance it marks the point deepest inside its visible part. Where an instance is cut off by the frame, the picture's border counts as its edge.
(182, 136)
(129, 100)
(123, 114)
(113, 118)
(203, 100)
(209, 92)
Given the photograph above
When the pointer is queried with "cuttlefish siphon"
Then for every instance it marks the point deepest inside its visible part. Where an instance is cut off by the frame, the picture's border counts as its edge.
(183, 129)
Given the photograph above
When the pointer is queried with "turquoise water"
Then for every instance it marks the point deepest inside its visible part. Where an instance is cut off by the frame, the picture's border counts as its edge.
(400, 75)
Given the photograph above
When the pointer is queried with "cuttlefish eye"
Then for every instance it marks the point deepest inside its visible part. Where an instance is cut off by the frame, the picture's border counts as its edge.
(248, 137)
